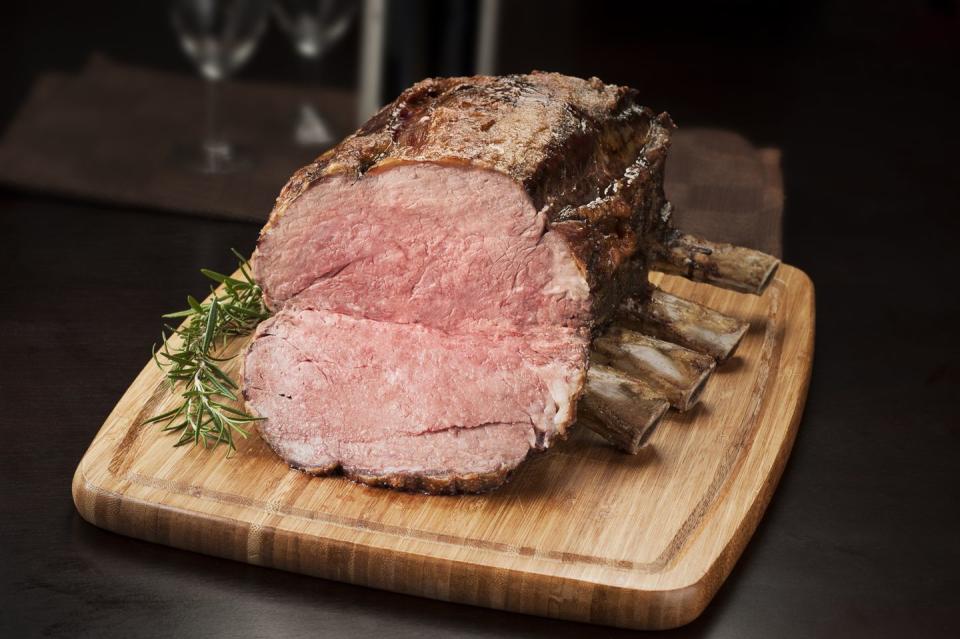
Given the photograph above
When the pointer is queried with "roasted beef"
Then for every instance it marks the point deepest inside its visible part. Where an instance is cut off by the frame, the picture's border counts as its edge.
(438, 276)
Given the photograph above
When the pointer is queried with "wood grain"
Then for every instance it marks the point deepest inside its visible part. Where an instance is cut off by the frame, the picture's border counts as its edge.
(583, 532)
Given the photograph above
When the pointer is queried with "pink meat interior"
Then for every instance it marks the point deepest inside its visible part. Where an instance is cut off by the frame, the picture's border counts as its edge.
(427, 322)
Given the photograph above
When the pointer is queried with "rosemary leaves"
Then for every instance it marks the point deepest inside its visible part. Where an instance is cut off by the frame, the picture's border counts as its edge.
(203, 417)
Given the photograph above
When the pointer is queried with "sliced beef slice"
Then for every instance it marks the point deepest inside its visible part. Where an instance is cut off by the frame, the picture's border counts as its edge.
(389, 400)
(447, 246)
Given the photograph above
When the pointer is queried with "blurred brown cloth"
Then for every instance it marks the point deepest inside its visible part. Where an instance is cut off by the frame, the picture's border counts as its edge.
(726, 190)
(110, 134)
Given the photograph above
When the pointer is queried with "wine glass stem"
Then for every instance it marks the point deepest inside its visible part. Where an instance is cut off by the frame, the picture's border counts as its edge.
(215, 147)
(309, 68)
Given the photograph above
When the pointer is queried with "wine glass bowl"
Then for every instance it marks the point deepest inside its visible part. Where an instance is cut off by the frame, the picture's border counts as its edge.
(314, 25)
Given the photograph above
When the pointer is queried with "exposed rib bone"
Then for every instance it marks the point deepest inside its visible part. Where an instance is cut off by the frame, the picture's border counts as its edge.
(621, 408)
(682, 322)
(674, 372)
(725, 265)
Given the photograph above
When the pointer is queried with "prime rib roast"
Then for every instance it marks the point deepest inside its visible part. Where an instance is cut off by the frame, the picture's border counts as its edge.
(460, 279)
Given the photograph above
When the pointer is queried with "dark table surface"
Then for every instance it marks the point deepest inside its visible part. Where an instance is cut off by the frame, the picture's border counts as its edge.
(860, 539)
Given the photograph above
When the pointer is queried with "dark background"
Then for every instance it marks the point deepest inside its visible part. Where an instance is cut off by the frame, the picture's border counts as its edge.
(861, 538)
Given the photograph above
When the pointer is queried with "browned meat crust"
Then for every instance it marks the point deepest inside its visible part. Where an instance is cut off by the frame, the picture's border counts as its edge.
(587, 154)
(432, 484)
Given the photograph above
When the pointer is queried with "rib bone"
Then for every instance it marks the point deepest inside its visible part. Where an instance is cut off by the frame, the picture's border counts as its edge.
(725, 265)
(621, 408)
(682, 322)
(634, 377)
(674, 372)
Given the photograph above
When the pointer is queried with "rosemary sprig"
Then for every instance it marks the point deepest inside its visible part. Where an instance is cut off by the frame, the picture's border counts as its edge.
(203, 417)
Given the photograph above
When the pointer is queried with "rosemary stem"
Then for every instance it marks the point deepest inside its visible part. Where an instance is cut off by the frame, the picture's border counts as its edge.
(233, 310)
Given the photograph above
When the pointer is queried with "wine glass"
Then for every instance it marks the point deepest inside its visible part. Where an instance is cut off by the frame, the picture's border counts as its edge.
(313, 26)
(218, 36)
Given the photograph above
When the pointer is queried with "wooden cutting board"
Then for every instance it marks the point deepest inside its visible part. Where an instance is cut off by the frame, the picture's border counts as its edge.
(582, 532)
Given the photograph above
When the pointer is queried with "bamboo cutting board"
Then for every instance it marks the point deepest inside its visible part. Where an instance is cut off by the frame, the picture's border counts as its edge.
(582, 532)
